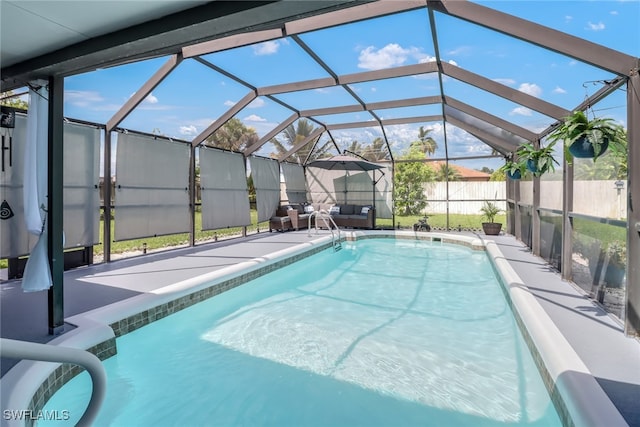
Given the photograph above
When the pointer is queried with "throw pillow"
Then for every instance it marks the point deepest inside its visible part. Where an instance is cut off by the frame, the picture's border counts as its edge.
(365, 210)
(335, 210)
(308, 209)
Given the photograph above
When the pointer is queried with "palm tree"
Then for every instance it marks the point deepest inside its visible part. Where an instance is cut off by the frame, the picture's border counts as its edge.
(376, 151)
(294, 135)
(233, 135)
(446, 172)
(425, 143)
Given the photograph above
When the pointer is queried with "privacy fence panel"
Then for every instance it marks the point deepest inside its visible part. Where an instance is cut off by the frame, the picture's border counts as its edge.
(266, 180)
(81, 210)
(14, 238)
(81, 180)
(295, 182)
(152, 187)
(225, 197)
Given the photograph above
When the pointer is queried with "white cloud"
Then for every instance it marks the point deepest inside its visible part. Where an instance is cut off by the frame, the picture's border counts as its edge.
(392, 55)
(505, 81)
(462, 50)
(427, 58)
(613, 12)
(520, 111)
(151, 99)
(530, 89)
(256, 103)
(595, 27)
(229, 103)
(82, 98)
(568, 18)
(558, 89)
(266, 48)
(254, 118)
(452, 62)
(188, 130)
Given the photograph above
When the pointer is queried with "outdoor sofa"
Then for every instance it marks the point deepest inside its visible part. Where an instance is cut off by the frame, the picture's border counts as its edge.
(353, 216)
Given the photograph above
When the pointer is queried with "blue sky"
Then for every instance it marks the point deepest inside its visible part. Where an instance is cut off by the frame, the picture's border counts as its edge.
(194, 96)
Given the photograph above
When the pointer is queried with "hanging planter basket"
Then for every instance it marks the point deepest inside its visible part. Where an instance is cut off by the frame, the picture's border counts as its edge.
(583, 149)
(514, 175)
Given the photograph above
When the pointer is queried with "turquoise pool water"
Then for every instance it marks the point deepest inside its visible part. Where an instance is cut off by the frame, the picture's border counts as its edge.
(383, 333)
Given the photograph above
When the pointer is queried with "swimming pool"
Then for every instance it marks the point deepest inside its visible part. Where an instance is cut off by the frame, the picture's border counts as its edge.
(384, 332)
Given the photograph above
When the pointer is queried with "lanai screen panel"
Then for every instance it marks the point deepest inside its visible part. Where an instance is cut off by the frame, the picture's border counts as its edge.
(295, 182)
(81, 220)
(14, 237)
(266, 180)
(225, 198)
(384, 192)
(152, 187)
(81, 211)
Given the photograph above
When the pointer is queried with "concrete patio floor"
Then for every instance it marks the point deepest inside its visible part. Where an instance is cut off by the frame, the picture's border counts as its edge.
(598, 338)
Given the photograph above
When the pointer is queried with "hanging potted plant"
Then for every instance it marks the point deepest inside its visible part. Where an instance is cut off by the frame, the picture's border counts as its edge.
(537, 160)
(489, 211)
(584, 138)
(513, 169)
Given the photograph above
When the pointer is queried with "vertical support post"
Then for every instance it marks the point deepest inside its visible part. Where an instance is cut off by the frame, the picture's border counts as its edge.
(632, 318)
(535, 218)
(106, 244)
(192, 196)
(566, 265)
(55, 205)
(516, 209)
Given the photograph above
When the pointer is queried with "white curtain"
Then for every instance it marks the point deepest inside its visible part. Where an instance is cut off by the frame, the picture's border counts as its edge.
(37, 275)
(225, 197)
(295, 182)
(266, 180)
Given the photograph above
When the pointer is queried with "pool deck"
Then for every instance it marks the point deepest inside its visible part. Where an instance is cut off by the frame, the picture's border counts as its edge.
(598, 339)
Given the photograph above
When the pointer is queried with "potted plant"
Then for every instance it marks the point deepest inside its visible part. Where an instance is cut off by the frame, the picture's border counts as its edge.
(489, 211)
(537, 160)
(513, 169)
(584, 138)
(614, 274)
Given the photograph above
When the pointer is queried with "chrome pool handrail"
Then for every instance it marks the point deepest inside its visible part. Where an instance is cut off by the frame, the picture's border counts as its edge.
(323, 215)
(50, 353)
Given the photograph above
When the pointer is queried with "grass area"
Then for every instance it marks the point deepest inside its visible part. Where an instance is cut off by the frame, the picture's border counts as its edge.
(440, 221)
(173, 240)
(603, 232)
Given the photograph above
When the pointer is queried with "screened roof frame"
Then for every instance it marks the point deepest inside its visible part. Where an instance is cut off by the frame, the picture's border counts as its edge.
(602, 57)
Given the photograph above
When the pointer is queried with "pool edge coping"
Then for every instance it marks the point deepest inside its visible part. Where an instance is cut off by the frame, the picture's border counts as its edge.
(586, 402)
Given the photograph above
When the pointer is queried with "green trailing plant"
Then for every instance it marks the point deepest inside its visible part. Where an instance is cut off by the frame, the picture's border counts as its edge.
(536, 160)
(576, 129)
(514, 169)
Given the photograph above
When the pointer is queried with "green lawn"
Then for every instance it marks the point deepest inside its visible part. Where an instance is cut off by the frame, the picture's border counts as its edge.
(440, 221)
(602, 232)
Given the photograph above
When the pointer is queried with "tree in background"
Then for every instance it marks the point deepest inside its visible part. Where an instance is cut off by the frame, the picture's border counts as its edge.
(446, 172)
(233, 135)
(294, 135)
(377, 151)
(409, 180)
(8, 99)
(426, 144)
